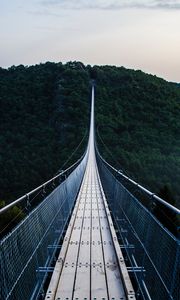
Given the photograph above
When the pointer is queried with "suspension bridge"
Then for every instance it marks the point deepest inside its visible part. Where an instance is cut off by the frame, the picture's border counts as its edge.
(90, 239)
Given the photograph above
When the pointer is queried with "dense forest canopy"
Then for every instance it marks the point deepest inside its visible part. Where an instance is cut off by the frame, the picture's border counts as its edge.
(45, 115)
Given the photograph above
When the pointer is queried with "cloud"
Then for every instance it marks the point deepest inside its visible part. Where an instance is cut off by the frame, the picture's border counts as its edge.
(112, 4)
(47, 28)
(44, 13)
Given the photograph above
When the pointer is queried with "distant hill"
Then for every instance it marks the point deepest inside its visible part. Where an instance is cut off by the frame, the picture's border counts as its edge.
(44, 115)
(45, 112)
(138, 119)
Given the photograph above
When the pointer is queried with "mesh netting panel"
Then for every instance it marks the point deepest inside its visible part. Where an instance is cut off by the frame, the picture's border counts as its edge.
(156, 249)
(25, 249)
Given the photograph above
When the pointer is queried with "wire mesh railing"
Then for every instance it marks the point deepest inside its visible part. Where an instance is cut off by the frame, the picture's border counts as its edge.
(24, 255)
(154, 250)
(13, 213)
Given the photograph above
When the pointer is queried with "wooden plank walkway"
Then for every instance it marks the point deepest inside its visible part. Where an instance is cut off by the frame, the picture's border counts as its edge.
(90, 264)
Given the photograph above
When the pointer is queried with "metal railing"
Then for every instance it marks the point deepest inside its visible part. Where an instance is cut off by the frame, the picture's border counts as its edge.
(153, 196)
(26, 252)
(149, 246)
(42, 186)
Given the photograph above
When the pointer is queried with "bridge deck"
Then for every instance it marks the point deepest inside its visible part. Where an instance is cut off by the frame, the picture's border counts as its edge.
(90, 263)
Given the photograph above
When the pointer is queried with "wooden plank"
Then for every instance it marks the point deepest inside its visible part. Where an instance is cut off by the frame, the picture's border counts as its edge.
(67, 279)
(82, 282)
(98, 276)
(120, 263)
(50, 295)
(90, 264)
(114, 283)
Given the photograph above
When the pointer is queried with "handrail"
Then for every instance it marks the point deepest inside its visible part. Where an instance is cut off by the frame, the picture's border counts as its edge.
(26, 196)
(152, 195)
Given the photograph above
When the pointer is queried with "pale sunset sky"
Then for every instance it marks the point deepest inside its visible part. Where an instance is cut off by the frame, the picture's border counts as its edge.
(136, 34)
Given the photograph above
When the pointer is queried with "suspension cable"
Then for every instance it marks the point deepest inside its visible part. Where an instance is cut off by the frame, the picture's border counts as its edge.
(106, 148)
(75, 150)
(129, 174)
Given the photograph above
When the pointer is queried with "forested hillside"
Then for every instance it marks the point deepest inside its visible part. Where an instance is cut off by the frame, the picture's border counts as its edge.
(44, 116)
(138, 120)
(45, 113)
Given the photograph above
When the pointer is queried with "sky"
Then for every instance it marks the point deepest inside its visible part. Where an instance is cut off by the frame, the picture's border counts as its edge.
(136, 34)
